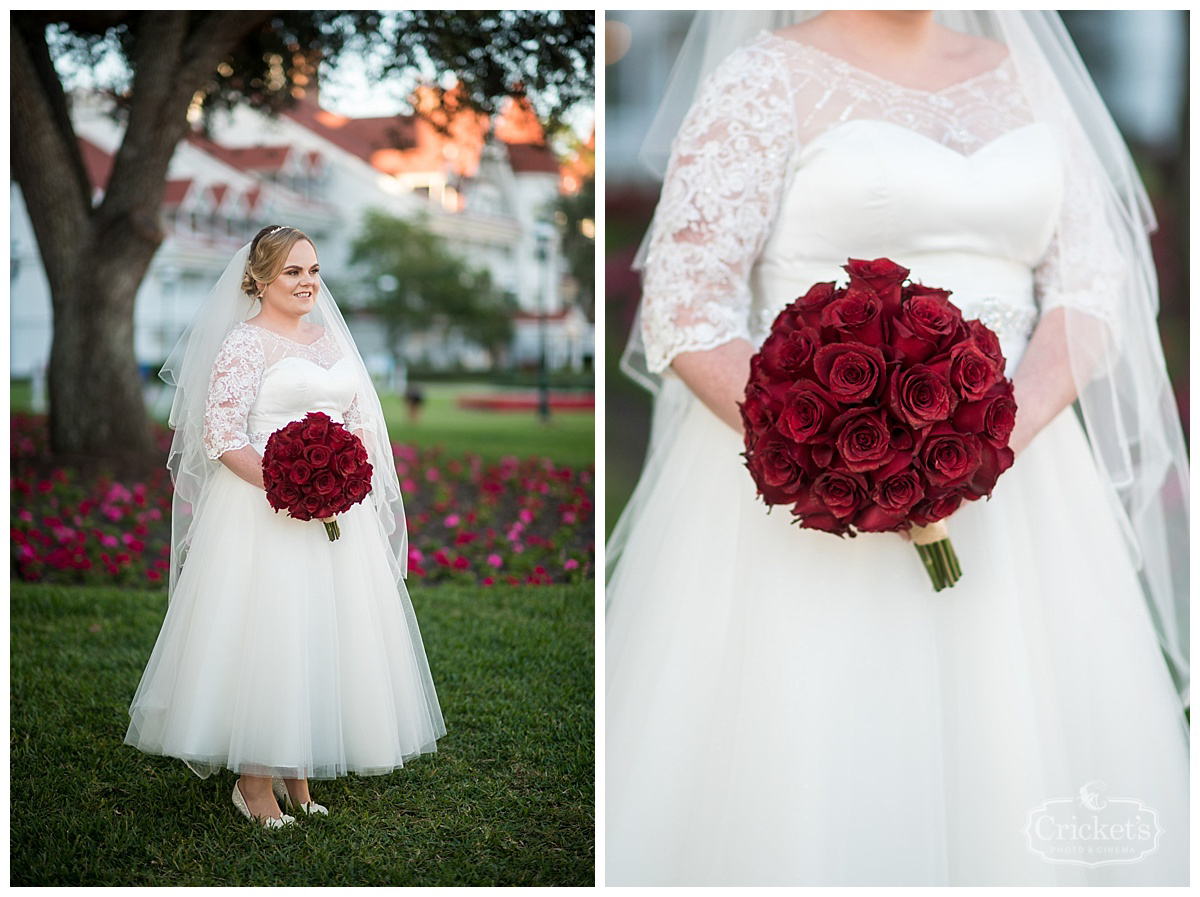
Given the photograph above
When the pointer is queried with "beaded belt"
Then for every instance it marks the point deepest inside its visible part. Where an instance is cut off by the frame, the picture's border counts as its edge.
(1006, 321)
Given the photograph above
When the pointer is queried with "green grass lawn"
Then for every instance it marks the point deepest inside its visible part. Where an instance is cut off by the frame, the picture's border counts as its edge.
(507, 800)
(569, 437)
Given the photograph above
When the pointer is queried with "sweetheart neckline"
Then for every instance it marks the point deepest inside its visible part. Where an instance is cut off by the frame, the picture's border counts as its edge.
(923, 137)
(275, 364)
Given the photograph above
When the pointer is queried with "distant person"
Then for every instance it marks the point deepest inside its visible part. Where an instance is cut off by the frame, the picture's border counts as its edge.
(414, 397)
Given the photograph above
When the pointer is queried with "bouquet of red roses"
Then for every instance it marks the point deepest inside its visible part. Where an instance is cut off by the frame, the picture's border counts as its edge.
(315, 468)
(876, 407)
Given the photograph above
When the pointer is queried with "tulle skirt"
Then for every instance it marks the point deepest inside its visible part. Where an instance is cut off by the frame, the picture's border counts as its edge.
(283, 653)
(784, 707)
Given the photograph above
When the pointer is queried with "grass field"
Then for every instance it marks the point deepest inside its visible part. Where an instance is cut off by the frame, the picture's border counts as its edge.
(569, 437)
(507, 800)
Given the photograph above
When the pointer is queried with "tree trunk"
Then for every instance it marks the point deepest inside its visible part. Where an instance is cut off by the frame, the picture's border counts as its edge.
(96, 257)
(95, 390)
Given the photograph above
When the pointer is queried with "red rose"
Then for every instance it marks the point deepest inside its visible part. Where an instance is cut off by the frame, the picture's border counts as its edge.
(858, 314)
(925, 325)
(936, 508)
(972, 373)
(777, 472)
(863, 439)
(920, 396)
(318, 456)
(882, 276)
(992, 417)
(344, 464)
(356, 489)
(811, 513)
(360, 453)
(339, 437)
(299, 473)
(757, 411)
(993, 461)
(987, 341)
(898, 486)
(325, 483)
(311, 506)
(806, 311)
(789, 354)
(949, 458)
(316, 425)
(809, 408)
(852, 372)
(288, 495)
(841, 493)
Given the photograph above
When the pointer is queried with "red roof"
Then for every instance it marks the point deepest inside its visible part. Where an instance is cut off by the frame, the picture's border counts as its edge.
(251, 158)
(97, 163)
(526, 157)
(175, 192)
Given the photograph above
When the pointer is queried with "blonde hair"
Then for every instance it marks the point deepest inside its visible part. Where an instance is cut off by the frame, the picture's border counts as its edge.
(268, 253)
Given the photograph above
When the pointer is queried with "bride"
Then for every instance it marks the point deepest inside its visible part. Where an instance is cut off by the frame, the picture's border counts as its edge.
(284, 656)
(784, 707)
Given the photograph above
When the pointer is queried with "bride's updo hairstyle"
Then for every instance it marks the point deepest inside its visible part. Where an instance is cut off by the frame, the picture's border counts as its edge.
(268, 252)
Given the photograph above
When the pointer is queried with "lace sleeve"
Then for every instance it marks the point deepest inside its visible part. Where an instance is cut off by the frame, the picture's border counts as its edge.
(353, 415)
(237, 374)
(719, 199)
(1084, 268)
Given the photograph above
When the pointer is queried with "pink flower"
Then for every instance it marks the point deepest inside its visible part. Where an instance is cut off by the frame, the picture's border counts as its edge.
(495, 560)
(461, 563)
(525, 515)
(571, 564)
(487, 581)
(568, 517)
(451, 521)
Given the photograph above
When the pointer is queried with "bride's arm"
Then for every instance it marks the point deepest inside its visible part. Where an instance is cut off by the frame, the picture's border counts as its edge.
(718, 377)
(236, 377)
(246, 463)
(1043, 385)
(720, 199)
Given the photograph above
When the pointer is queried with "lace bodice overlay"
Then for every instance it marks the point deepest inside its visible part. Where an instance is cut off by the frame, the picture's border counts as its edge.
(791, 161)
(262, 381)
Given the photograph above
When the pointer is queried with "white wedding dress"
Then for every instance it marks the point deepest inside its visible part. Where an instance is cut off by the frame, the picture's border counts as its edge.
(283, 652)
(784, 707)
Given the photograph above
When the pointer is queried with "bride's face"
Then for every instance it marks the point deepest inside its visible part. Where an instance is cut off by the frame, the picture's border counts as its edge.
(294, 291)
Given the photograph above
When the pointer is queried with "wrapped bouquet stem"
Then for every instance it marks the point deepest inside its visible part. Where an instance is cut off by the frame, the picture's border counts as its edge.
(937, 554)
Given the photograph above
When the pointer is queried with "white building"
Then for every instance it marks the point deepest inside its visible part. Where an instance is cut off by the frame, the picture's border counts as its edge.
(320, 172)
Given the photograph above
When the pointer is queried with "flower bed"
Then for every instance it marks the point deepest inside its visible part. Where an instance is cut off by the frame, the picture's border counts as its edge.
(528, 402)
(517, 521)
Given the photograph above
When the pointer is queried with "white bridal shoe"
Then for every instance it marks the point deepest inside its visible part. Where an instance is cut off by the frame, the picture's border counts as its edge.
(312, 808)
(239, 801)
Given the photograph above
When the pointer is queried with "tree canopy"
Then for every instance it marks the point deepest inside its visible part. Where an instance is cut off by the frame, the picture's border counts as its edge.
(424, 286)
(176, 62)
